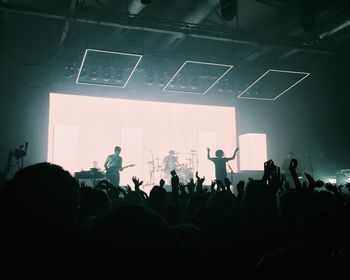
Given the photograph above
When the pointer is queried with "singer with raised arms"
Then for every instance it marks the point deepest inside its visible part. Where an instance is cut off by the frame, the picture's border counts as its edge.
(220, 163)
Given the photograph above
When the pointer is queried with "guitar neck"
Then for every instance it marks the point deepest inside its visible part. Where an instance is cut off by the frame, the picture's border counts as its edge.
(130, 165)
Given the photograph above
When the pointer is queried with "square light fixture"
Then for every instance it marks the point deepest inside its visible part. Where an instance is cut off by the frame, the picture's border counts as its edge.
(273, 84)
(196, 77)
(107, 68)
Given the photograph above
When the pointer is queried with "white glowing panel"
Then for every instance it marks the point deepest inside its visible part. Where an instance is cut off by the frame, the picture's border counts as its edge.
(68, 144)
(253, 154)
(145, 131)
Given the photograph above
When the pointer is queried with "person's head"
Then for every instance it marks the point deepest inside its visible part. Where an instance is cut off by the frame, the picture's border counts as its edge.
(219, 153)
(171, 152)
(94, 164)
(117, 150)
(41, 197)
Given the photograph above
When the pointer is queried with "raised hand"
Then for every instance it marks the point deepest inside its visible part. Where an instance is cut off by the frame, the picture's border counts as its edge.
(220, 185)
(240, 187)
(161, 183)
(293, 165)
(128, 188)
(104, 184)
(191, 186)
(311, 180)
(174, 187)
(175, 180)
(276, 180)
(197, 177)
(319, 184)
(182, 188)
(330, 187)
(212, 186)
(267, 170)
(137, 182)
(227, 183)
(292, 169)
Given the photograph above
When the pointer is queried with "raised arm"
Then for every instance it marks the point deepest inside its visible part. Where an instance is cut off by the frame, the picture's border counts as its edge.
(292, 169)
(234, 154)
(208, 154)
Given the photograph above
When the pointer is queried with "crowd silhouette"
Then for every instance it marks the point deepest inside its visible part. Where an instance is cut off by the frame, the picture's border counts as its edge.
(51, 225)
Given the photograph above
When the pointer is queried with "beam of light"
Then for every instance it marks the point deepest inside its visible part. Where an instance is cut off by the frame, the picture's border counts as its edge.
(197, 62)
(83, 129)
(110, 52)
(332, 180)
(280, 94)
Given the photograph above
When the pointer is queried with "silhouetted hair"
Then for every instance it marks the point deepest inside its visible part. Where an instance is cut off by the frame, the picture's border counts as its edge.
(219, 153)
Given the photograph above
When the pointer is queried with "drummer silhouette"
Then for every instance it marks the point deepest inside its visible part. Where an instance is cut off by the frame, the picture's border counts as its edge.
(170, 162)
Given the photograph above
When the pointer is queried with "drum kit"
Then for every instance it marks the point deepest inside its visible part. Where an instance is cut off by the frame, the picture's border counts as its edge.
(185, 168)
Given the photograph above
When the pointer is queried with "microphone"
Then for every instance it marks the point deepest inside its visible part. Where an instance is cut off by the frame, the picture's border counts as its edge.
(25, 148)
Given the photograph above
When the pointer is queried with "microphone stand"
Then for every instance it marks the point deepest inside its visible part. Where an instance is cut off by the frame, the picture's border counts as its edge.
(19, 154)
(231, 173)
(152, 169)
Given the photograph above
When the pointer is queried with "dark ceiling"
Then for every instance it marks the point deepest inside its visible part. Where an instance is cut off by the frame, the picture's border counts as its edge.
(292, 35)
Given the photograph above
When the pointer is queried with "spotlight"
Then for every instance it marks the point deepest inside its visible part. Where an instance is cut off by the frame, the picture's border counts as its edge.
(106, 76)
(118, 76)
(228, 9)
(161, 82)
(183, 83)
(94, 74)
(69, 71)
(194, 83)
(150, 78)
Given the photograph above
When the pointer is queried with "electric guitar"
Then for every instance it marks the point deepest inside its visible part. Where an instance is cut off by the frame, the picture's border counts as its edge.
(127, 166)
(111, 171)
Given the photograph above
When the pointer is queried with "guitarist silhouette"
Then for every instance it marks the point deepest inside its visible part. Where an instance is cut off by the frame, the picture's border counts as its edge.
(113, 166)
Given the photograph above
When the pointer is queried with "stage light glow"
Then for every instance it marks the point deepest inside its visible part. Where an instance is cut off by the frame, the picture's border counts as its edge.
(133, 65)
(84, 129)
(332, 180)
(253, 152)
(245, 94)
(194, 90)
